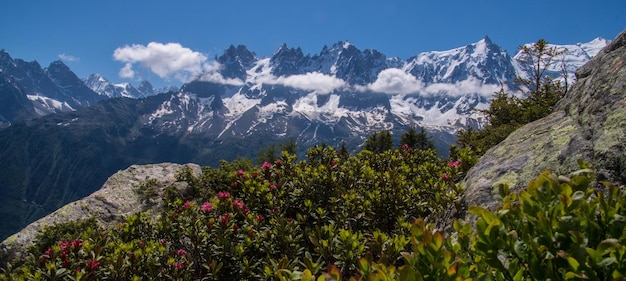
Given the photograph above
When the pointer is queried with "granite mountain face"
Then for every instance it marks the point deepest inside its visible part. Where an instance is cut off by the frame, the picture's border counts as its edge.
(340, 95)
(28, 90)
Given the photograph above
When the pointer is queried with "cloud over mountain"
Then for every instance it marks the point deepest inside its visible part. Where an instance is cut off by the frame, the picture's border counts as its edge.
(313, 81)
(393, 80)
(68, 58)
(170, 60)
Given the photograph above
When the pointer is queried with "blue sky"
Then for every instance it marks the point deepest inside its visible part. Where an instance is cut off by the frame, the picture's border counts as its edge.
(87, 33)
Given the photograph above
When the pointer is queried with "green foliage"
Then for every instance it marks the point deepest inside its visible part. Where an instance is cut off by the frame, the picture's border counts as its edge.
(366, 217)
(60, 232)
(269, 153)
(411, 138)
(558, 228)
(283, 220)
(379, 141)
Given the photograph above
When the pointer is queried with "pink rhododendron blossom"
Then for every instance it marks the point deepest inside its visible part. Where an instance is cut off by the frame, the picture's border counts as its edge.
(181, 252)
(225, 218)
(445, 176)
(207, 207)
(266, 165)
(92, 265)
(240, 172)
(49, 252)
(187, 205)
(178, 265)
(238, 204)
(223, 194)
(454, 164)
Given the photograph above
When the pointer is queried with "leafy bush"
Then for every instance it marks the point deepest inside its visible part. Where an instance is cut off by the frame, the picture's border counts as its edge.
(270, 222)
(365, 217)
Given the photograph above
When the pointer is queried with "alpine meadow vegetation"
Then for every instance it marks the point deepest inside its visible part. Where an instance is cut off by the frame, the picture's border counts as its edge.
(369, 216)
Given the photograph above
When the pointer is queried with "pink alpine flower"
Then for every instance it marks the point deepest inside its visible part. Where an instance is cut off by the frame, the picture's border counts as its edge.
(187, 205)
(181, 252)
(223, 194)
(49, 252)
(225, 218)
(92, 265)
(240, 172)
(63, 245)
(207, 207)
(178, 265)
(238, 204)
(266, 166)
(445, 176)
(454, 164)
(76, 244)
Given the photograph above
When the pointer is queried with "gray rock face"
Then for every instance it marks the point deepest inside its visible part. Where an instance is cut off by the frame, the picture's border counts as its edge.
(119, 197)
(589, 123)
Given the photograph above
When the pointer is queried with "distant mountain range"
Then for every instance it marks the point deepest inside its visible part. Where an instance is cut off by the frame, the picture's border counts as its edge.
(63, 136)
(28, 91)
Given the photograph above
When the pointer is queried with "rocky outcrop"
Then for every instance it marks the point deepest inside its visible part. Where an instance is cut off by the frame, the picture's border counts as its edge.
(120, 196)
(589, 123)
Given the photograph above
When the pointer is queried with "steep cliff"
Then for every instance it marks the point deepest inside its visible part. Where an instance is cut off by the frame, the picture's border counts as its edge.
(589, 123)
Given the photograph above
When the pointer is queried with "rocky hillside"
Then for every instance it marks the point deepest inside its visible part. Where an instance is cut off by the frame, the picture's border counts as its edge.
(119, 197)
(589, 123)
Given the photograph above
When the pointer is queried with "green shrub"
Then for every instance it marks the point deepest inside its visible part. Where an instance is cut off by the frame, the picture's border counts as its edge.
(366, 217)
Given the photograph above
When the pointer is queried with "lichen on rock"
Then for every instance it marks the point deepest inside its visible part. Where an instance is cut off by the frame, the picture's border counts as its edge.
(589, 123)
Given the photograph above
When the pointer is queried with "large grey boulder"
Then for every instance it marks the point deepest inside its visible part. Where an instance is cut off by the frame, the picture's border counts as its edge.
(120, 196)
(589, 123)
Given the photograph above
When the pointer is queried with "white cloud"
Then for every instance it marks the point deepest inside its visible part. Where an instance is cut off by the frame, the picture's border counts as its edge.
(127, 71)
(211, 74)
(313, 81)
(165, 60)
(396, 81)
(68, 58)
(464, 87)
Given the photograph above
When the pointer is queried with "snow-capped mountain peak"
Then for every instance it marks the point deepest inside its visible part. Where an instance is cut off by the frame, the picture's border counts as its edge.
(574, 56)
(104, 87)
(483, 61)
